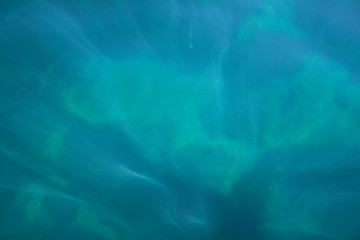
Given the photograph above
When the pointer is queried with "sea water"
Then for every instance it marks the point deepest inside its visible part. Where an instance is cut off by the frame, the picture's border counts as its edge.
(180, 119)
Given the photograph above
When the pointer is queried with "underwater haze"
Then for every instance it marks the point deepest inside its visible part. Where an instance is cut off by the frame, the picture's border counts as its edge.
(180, 120)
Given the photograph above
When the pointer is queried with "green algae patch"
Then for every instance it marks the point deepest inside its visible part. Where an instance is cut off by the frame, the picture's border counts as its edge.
(158, 105)
(139, 90)
(89, 221)
(55, 144)
(31, 200)
(143, 94)
(216, 163)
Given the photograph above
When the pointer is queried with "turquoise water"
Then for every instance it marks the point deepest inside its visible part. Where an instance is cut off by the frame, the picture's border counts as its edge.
(180, 119)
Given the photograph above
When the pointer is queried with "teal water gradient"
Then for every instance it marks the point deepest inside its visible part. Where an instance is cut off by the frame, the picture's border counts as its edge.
(180, 119)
